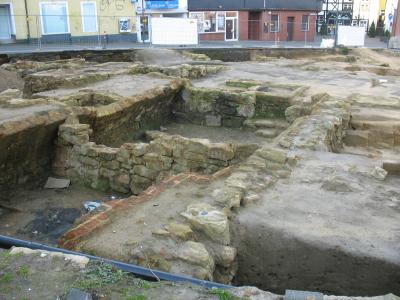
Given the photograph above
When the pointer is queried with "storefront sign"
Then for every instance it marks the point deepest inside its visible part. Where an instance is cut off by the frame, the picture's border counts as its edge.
(158, 4)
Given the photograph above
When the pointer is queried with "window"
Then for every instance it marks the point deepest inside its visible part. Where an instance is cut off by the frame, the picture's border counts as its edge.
(210, 21)
(220, 21)
(305, 23)
(347, 7)
(54, 17)
(89, 16)
(274, 23)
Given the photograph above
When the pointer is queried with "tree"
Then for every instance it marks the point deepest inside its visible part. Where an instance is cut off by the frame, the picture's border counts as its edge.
(324, 29)
(372, 30)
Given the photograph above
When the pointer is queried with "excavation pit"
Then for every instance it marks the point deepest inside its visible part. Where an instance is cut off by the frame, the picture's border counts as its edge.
(277, 173)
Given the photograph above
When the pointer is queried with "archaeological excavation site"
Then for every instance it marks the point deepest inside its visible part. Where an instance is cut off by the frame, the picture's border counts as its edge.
(200, 174)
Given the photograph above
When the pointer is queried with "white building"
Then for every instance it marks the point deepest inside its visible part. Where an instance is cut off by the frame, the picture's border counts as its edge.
(365, 12)
(391, 6)
(147, 9)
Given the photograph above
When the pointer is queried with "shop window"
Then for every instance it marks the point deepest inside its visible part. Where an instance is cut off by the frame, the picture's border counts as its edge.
(89, 16)
(54, 17)
(274, 23)
(209, 21)
(305, 23)
(221, 21)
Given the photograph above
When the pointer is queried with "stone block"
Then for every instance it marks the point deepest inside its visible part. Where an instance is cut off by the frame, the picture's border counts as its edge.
(194, 156)
(272, 154)
(267, 133)
(356, 138)
(213, 120)
(89, 161)
(112, 164)
(199, 146)
(107, 153)
(209, 221)
(85, 148)
(140, 149)
(145, 172)
(181, 231)
(161, 148)
(195, 253)
(220, 151)
(139, 184)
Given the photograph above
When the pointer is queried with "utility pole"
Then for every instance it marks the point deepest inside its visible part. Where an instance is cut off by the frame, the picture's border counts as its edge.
(27, 21)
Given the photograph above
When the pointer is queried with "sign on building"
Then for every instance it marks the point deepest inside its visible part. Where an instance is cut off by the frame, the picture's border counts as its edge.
(158, 4)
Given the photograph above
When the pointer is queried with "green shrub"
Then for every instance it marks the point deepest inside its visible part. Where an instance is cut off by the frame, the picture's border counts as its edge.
(372, 30)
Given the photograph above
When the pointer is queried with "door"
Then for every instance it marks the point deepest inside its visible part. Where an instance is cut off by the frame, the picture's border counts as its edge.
(5, 22)
(231, 29)
(254, 25)
(290, 28)
(144, 29)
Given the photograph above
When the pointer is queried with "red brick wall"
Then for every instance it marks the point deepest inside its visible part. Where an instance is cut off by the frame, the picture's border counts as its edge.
(258, 27)
(216, 36)
(243, 25)
(282, 35)
(396, 27)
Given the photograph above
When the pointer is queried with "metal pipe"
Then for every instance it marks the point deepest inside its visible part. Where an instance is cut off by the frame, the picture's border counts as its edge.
(27, 21)
(8, 242)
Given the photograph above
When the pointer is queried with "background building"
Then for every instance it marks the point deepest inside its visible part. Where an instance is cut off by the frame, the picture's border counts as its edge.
(52, 21)
(396, 22)
(335, 12)
(147, 9)
(280, 20)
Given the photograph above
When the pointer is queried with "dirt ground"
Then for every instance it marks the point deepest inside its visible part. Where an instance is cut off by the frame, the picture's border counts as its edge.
(336, 221)
(136, 225)
(122, 85)
(10, 80)
(214, 134)
(43, 215)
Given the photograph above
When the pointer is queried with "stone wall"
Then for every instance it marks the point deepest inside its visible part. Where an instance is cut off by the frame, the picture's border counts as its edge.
(27, 149)
(229, 108)
(129, 118)
(323, 129)
(135, 166)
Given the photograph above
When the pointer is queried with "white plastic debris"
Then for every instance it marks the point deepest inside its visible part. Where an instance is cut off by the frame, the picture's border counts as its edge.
(91, 205)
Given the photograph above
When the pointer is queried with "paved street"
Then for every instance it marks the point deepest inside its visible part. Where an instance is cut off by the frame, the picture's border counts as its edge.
(35, 47)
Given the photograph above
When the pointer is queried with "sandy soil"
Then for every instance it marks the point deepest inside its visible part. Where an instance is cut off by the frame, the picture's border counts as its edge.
(135, 225)
(122, 85)
(214, 134)
(10, 80)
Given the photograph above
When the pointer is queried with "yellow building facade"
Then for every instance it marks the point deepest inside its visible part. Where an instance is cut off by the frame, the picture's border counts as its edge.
(24, 19)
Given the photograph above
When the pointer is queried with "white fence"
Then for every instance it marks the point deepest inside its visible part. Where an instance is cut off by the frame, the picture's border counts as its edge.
(351, 36)
(174, 31)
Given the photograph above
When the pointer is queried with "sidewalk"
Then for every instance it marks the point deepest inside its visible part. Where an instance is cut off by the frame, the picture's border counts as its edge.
(374, 43)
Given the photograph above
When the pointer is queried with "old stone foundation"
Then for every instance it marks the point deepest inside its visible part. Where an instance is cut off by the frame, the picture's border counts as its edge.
(292, 185)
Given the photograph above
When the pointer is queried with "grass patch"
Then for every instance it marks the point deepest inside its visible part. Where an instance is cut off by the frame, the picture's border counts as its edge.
(100, 274)
(7, 277)
(23, 271)
(223, 294)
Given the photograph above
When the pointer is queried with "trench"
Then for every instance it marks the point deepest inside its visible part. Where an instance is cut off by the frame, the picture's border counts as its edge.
(276, 257)
(274, 260)
(268, 257)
